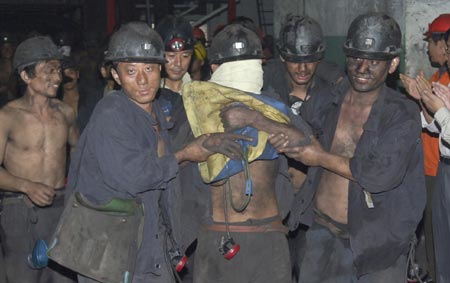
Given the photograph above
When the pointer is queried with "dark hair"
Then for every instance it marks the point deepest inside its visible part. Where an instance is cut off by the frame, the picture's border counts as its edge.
(30, 70)
(114, 65)
(437, 36)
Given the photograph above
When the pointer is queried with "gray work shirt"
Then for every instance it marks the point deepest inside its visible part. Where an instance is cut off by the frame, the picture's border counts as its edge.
(119, 159)
(387, 163)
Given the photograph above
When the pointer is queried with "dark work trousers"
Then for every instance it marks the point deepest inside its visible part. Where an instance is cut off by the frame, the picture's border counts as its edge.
(441, 223)
(428, 227)
(328, 259)
(2, 258)
(164, 277)
(22, 226)
(296, 240)
(263, 258)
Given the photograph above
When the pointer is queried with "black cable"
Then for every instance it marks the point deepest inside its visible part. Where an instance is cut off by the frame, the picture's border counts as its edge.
(411, 265)
(225, 210)
(168, 261)
(244, 205)
(248, 185)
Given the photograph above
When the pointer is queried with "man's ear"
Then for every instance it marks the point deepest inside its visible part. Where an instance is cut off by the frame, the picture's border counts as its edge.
(104, 72)
(394, 64)
(214, 67)
(115, 76)
(24, 76)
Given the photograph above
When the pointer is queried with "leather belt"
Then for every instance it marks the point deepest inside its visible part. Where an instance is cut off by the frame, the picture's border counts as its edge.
(13, 198)
(274, 226)
(326, 221)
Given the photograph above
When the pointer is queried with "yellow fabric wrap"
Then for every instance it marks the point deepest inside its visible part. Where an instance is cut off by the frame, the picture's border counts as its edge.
(203, 102)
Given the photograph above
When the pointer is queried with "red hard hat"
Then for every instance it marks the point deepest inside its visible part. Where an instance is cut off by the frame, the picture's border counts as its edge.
(439, 25)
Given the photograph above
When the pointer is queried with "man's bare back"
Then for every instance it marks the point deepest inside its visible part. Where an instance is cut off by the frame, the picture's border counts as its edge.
(263, 203)
(33, 142)
(332, 193)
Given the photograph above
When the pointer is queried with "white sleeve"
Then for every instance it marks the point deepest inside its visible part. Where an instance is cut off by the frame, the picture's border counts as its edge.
(432, 127)
(442, 117)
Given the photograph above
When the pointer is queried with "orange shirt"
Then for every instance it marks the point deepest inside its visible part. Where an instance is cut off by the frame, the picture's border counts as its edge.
(431, 141)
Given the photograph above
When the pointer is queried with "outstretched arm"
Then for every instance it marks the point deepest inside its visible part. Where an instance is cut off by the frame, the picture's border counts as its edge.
(313, 155)
(239, 116)
(206, 145)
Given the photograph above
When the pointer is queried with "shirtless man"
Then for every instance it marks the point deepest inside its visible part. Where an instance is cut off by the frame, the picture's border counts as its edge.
(239, 218)
(365, 193)
(34, 132)
(70, 89)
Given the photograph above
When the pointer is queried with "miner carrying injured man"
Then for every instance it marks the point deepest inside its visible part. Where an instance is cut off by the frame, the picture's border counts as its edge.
(364, 194)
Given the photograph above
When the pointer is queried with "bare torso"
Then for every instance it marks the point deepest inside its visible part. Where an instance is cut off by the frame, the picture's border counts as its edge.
(332, 193)
(263, 203)
(36, 143)
(72, 98)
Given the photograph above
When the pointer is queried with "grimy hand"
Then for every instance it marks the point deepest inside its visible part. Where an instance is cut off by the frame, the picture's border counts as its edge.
(225, 143)
(310, 155)
(204, 146)
(39, 194)
(237, 116)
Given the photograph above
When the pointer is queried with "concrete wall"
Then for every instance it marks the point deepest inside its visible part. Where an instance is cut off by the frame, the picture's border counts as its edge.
(418, 14)
(246, 8)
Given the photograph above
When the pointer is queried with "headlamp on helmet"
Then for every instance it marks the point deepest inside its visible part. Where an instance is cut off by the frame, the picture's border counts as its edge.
(373, 36)
(301, 40)
(176, 34)
(233, 43)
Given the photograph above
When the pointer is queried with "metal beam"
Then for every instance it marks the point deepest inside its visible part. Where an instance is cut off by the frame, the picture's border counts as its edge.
(231, 10)
(214, 13)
